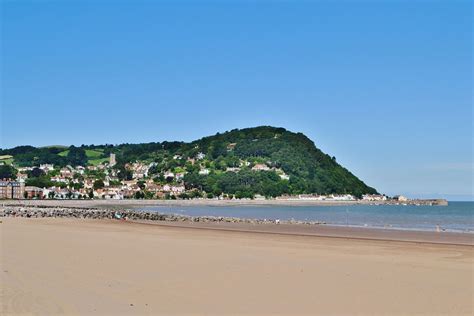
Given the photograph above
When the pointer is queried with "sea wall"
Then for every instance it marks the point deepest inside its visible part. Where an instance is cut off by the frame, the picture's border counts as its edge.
(119, 204)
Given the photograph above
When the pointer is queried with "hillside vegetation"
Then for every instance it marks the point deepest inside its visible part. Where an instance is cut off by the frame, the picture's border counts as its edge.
(242, 162)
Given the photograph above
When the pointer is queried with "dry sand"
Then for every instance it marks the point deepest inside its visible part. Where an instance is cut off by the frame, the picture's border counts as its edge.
(102, 267)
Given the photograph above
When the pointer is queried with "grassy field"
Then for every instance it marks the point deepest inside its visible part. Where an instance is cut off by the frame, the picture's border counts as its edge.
(90, 153)
(6, 159)
(94, 156)
(97, 161)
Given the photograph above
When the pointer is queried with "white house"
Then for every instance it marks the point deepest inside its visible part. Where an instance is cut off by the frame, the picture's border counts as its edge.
(204, 171)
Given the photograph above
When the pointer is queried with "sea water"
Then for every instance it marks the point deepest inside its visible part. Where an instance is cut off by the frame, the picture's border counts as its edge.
(457, 216)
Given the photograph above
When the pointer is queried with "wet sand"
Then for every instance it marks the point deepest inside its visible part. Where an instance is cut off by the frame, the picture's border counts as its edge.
(104, 267)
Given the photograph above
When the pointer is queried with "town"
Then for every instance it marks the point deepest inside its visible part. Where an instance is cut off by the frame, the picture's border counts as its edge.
(142, 181)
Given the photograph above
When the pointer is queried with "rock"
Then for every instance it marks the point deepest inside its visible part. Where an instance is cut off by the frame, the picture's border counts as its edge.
(90, 213)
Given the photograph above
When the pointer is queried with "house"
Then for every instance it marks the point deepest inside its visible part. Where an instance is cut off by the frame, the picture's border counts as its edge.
(284, 176)
(314, 197)
(127, 184)
(139, 170)
(400, 198)
(88, 183)
(174, 189)
(232, 169)
(178, 189)
(80, 169)
(46, 167)
(112, 194)
(33, 192)
(62, 194)
(340, 197)
(59, 179)
(204, 172)
(25, 169)
(65, 173)
(374, 197)
(127, 194)
(260, 167)
(200, 156)
(21, 176)
(153, 187)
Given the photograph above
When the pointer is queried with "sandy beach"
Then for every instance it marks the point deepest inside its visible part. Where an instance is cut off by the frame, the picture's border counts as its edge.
(104, 267)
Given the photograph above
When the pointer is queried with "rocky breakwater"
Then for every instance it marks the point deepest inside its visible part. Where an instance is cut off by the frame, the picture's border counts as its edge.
(133, 215)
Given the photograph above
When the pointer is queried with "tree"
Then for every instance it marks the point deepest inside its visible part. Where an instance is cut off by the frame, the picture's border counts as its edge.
(40, 182)
(36, 173)
(139, 195)
(124, 173)
(77, 156)
(7, 172)
(98, 184)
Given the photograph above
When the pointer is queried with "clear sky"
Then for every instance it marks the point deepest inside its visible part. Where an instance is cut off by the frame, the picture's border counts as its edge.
(385, 86)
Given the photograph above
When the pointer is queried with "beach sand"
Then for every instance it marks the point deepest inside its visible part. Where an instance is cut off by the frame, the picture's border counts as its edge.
(104, 267)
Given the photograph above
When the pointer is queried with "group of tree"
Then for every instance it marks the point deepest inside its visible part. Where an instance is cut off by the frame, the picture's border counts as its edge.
(7, 172)
(29, 156)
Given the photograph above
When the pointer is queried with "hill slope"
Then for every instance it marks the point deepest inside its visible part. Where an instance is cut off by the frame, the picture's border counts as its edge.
(262, 160)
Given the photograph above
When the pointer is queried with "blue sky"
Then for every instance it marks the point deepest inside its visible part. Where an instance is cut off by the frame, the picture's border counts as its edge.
(385, 86)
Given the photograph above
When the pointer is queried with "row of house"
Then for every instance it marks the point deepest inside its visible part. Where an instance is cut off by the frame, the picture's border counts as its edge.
(317, 197)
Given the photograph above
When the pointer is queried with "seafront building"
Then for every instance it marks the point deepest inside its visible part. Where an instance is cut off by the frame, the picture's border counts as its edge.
(12, 189)
(374, 197)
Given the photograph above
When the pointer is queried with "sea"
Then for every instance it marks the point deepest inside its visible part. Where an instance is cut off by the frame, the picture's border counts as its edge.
(455, 217)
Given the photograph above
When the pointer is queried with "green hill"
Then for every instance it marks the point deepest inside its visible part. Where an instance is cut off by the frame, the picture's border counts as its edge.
(243, 162)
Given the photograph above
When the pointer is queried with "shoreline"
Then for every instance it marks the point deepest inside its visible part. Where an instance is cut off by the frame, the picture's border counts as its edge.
(243, 225)
(328, 231)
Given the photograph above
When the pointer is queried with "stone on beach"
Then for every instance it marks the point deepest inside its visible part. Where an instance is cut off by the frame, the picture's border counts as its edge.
(137, 215)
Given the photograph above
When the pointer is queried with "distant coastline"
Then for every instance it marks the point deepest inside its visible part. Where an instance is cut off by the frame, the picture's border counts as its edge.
(216, 202)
